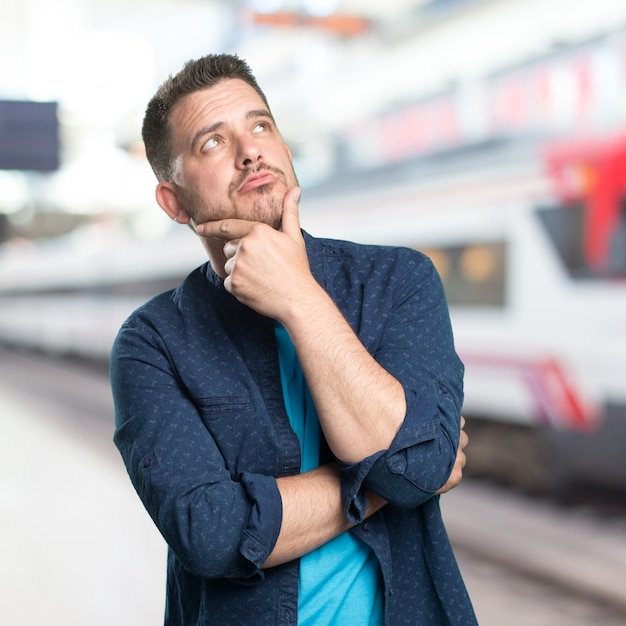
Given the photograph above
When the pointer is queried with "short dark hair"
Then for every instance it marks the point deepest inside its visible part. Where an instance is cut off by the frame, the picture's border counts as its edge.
(196, 75)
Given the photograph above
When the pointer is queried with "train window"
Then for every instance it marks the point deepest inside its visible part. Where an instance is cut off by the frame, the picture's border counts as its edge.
(587, 247)
(472, 275)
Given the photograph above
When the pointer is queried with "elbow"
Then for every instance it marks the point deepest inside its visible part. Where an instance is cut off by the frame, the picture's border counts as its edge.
(212, 559)
(411, 476)
(199, 553)
(208, 568)
(231, 541)
(221, 530)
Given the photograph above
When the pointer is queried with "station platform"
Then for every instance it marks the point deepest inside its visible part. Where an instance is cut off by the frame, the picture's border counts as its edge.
(76, 546)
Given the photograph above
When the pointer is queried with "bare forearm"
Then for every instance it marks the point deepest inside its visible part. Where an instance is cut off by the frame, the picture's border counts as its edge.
(312, 513)
(360, 405)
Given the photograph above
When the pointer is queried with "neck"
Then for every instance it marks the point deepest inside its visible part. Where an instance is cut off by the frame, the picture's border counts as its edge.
(215, 250)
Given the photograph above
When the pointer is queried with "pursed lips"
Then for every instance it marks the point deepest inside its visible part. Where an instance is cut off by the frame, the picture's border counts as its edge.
(256, 180)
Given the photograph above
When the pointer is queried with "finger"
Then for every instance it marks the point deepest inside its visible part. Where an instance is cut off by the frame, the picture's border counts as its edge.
(230, 248)
(464, 439)
(226, 230)
(228, 269)
(290, 223)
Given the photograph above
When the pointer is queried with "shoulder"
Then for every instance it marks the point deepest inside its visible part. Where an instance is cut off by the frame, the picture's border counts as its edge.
(165, 308)
(398, 260)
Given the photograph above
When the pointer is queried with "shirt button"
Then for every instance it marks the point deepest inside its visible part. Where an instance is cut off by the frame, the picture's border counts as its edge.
(365, 526)
(397, 463)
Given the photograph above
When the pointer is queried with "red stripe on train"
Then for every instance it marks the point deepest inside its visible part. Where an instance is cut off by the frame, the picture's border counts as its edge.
(555, 396)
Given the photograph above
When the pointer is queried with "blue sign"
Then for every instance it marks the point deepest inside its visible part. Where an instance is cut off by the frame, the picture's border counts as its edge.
(29, 136)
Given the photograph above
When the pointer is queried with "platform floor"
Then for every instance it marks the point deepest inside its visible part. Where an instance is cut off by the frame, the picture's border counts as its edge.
(76, 546)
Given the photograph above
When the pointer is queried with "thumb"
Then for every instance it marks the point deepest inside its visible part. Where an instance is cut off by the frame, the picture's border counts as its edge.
(290, 223)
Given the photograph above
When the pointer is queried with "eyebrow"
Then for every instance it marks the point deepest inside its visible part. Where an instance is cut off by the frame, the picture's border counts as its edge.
(207, 130)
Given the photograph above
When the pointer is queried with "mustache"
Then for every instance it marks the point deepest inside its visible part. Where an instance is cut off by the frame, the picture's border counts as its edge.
(253, 170)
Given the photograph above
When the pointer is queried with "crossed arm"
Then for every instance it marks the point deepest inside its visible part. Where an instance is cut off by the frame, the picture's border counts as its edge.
(360, 405)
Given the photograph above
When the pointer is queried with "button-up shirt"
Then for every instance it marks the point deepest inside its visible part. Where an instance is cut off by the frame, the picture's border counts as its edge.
(202, 428)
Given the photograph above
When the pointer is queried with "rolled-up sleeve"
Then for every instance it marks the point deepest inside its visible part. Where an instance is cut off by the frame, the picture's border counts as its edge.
(416, 346)
(219, 525)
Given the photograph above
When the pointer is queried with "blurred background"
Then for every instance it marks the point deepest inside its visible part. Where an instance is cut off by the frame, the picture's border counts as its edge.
(490, 134)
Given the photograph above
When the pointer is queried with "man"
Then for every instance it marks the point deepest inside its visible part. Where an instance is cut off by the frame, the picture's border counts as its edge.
(289, 414)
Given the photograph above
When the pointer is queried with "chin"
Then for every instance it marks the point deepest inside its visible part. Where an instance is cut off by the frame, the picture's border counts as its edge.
(269, 211)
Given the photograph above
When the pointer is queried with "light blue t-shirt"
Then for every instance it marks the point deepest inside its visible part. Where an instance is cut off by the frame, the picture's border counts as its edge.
(340, 582)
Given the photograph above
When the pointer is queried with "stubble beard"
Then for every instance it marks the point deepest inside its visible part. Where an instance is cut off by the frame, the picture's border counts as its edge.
(267, 206)
(264, 204)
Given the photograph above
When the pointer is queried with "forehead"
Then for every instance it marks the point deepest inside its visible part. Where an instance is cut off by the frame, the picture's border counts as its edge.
(229, 100)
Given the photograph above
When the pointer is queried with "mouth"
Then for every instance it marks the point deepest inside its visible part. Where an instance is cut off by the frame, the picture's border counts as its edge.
(257, 180)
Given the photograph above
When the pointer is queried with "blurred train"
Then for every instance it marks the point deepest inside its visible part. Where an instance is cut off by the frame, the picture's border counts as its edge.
(530, 242)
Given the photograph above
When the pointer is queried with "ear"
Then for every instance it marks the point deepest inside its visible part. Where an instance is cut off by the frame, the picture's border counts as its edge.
(169, 200)
(289, 152)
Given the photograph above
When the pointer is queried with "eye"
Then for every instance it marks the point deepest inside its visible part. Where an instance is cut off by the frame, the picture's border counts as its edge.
(212, 142)
(261, 127)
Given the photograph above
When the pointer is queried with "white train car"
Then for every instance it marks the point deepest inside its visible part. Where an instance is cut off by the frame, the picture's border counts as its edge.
(530, 242)
(69, 296)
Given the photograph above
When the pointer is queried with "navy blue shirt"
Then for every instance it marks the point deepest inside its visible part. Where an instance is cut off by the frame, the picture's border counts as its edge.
(202, 428)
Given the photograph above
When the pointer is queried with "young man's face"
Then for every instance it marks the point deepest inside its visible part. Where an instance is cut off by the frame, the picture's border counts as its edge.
(230, 161)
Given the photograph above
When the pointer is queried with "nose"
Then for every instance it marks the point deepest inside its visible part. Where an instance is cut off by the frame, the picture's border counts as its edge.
(249, 153)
